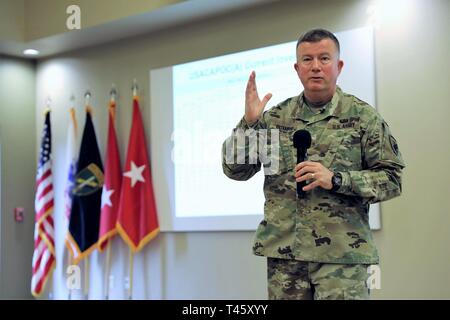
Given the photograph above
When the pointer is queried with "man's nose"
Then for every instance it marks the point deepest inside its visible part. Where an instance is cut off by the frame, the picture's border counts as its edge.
(315, 65)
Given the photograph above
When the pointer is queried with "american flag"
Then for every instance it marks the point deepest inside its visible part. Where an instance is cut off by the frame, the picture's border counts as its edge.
(44, 235)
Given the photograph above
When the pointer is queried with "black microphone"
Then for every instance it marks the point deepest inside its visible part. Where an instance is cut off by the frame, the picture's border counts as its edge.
(302, 141)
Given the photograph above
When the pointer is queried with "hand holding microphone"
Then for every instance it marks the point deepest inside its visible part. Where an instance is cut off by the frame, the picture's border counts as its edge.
(302, 141)
(315, 172)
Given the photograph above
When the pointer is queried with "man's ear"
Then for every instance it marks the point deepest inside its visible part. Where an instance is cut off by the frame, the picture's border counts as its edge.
(296, 67)
(340, 65)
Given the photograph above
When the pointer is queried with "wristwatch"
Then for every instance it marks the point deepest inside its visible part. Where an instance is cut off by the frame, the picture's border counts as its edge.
(336, 181)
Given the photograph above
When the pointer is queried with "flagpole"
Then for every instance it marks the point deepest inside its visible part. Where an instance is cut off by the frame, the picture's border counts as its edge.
(50, 289)
(134, 88)
(112, 100)
(107, 269)
(48, 103)
(130, 287)
(69, 263)
(86, 278)
(87, 100)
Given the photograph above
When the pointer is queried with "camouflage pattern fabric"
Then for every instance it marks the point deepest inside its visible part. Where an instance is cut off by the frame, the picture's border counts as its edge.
(348, 136)
(300, 280)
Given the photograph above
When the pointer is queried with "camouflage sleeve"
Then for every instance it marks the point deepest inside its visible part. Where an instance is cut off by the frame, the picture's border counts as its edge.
(240, 159)
(380, 178)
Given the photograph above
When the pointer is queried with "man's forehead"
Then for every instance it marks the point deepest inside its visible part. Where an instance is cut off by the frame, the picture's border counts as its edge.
(319, 47)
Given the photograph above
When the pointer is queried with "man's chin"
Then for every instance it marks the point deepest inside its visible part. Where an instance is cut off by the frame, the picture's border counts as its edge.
(316, 88)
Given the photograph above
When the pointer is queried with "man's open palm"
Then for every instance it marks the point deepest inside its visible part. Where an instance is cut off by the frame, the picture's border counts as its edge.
(254, 107)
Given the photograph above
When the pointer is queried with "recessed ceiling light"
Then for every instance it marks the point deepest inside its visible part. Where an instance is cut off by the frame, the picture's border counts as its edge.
(30, 52)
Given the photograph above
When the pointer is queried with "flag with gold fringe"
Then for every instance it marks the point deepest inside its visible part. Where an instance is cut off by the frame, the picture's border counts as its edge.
(137, 221)
(87, 195)
(112, 185)
(44, 234)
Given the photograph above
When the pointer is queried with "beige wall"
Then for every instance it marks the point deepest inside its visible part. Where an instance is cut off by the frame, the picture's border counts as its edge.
(93, 13)
(413, 78)
(17, 174)
(412, 68)
(12, 20)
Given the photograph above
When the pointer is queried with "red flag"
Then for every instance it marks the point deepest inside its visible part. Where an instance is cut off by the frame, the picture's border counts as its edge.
(44, 234)
(137, 222)
(111, 188)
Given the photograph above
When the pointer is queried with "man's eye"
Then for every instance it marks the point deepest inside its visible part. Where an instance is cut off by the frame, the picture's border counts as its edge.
(325, 59)
(306, 59)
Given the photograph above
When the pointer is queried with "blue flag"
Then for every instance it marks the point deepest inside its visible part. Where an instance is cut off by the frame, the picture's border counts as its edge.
(87, 195)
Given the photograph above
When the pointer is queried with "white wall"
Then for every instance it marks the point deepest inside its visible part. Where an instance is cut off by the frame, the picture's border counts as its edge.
(17, 174)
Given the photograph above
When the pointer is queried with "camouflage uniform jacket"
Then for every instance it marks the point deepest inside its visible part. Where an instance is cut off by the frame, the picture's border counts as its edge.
(349, 137)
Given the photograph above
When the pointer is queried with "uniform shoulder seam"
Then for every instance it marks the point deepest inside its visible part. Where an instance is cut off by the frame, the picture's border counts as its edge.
(282, 105)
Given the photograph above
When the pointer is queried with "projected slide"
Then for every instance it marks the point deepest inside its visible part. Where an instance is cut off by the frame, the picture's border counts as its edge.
(194, 107)
(208, 98)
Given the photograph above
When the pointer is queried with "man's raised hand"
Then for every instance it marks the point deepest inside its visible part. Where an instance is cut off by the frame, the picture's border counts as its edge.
(254, 107)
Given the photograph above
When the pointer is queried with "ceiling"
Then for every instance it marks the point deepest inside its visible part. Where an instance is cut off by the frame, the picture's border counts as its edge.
(159, 18)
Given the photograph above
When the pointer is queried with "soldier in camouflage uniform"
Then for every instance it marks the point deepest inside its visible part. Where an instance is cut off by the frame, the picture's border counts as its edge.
(319, 246)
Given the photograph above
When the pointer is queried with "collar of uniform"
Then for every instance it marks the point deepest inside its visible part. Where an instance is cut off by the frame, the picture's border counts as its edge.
(305, 114)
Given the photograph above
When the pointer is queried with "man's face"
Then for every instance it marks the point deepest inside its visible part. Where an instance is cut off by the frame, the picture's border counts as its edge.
(318, 67)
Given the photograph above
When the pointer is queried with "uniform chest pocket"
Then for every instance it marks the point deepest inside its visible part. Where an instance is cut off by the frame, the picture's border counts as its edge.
(348, 153)
(287, 150)
(282, 153)
(279, 178)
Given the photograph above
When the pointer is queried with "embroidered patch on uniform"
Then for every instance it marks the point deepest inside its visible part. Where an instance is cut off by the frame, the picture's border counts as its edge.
(283, 128)
(344, 123)
(394, 144)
